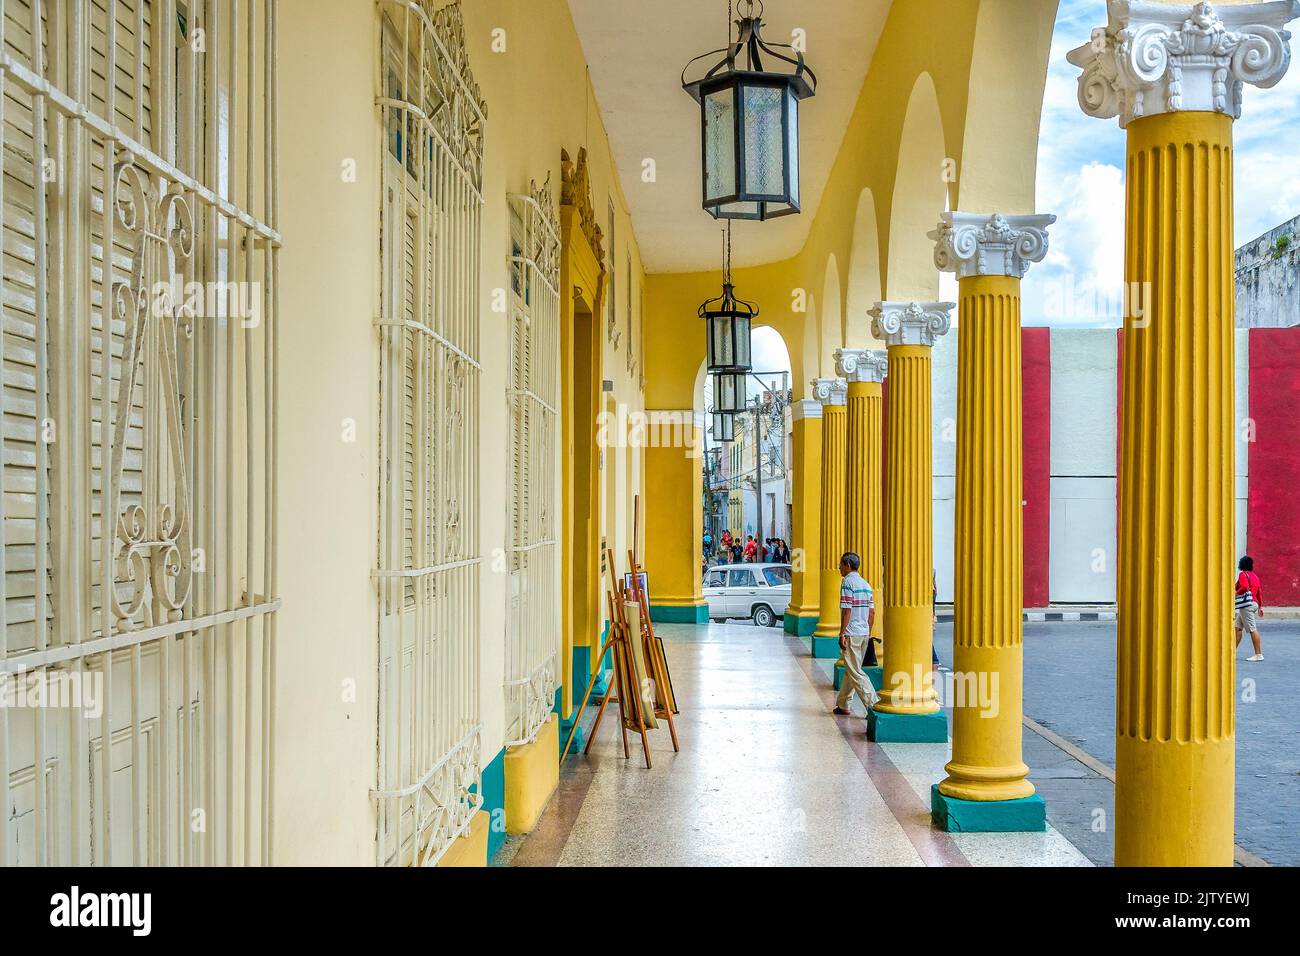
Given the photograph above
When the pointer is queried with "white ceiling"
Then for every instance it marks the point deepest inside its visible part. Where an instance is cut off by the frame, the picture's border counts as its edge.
(636, 51)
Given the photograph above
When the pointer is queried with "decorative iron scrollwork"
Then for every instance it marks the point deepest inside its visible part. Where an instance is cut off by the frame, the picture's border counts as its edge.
(153, 538)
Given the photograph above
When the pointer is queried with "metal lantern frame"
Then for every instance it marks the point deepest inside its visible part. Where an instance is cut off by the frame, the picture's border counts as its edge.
(740, 73)
(729, 323)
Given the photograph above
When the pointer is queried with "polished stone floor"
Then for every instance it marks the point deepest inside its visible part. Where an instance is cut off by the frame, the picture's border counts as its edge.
(766, 776)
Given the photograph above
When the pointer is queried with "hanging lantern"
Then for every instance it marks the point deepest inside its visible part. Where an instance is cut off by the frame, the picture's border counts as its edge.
(729, 392)
(724, 427)
(749, 122)
(728, 322)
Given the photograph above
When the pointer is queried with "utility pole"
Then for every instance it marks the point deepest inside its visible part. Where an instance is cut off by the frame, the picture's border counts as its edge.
(758, 469)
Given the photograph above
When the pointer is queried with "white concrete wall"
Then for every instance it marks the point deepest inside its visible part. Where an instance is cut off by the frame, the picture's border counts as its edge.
(943, 409)
(1242, 396)
(326, 645)
(1081, 565)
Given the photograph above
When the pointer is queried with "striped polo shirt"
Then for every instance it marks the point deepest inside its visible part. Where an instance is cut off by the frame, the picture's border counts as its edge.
(855, 594)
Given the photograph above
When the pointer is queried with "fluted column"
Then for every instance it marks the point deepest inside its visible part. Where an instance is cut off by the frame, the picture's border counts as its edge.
(865, 370)
(908, 709)
(833, 394)
(806, 534)
(1174, 74)
(990, 254)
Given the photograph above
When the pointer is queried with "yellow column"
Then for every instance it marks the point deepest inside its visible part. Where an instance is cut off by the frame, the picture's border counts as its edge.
(865, 370)
(1174, 697)
(833, 394)
(908, 709)
(806, 535)
(674, 517)
(990, 254)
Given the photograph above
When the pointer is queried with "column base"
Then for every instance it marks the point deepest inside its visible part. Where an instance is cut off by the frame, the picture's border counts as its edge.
(532, 774)
(470, 849)
(494, 798)
(825, 648)
(875, 674)
(886, 728)
(1023, 815)
(679, 613)
(800, 625)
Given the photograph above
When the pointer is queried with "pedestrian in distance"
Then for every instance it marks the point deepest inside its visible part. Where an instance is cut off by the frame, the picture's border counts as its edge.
(1249, 605)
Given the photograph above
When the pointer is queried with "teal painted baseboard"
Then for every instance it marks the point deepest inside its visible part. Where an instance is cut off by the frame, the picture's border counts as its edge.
(676, 614)
(800, 626)
(1026, 815)
(825, 648)
(494, 802)
(874, 674)
(907, 728)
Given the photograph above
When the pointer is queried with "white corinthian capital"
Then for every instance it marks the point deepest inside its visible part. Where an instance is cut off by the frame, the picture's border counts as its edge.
(862, 365)
(976, 244)
(911, 323)
(831, 391)
(1166, 58)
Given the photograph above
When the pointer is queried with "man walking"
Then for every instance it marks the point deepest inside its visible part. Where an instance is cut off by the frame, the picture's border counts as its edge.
(857, 614)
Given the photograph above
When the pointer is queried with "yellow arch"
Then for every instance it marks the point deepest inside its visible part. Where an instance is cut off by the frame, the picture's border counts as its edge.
(832, 318)
(1008, 77)
(864, 274)
(920, 195)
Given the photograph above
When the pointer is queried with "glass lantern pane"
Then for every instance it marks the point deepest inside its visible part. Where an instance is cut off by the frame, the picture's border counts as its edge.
(719, 144)
(742, 343)
(729, 392)
(764, 146)
(720, 355)
(792, 144)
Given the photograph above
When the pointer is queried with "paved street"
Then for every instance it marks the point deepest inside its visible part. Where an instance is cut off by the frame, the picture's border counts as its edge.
(1070, 689)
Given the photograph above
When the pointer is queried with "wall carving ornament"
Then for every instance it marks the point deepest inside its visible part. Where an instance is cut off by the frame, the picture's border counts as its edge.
(1154, 58)
(575, 191)
(862, 365)
(911, 323)
(971, 244)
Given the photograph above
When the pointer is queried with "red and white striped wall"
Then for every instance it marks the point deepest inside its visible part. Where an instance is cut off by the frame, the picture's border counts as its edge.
(1071, 460)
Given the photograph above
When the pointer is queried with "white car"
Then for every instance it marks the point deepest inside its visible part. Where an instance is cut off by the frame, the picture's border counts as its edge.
(760, 592)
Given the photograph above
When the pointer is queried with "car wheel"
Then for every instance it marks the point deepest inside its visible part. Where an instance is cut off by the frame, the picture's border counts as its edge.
(763, 616)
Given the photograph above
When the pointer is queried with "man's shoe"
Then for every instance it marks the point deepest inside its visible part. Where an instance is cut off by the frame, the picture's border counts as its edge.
(841, 713)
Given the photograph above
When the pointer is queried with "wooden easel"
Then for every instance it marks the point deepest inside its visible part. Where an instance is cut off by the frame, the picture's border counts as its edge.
(624, 690)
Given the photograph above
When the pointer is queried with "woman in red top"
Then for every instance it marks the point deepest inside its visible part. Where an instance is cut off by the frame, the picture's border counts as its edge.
(1249, 603)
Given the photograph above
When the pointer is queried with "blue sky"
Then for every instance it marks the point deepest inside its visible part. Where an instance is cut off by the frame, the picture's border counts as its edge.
(1081, 180)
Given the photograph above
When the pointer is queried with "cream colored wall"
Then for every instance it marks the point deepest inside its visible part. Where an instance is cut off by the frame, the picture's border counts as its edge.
(329, 361)
(539, 102)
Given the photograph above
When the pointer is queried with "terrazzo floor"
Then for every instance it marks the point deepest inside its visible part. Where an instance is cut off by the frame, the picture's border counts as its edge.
(766, 776)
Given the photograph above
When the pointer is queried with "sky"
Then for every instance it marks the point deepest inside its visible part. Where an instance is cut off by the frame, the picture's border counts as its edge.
(1081, 180)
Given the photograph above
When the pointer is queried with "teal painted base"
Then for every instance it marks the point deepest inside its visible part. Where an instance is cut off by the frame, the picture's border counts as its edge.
(825, 648)
(907, 728)
(494, 802)
(874, 674)
(800, 626)
(566, 724)
(1026, 815)
(675, 614)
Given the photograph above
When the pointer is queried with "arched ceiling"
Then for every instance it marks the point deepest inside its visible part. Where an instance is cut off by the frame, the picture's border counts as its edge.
(636, 52)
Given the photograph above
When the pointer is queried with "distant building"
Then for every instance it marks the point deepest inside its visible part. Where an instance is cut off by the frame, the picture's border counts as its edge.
(1268, 279)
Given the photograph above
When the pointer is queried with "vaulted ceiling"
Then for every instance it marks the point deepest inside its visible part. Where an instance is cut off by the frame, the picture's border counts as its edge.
(636, 51)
